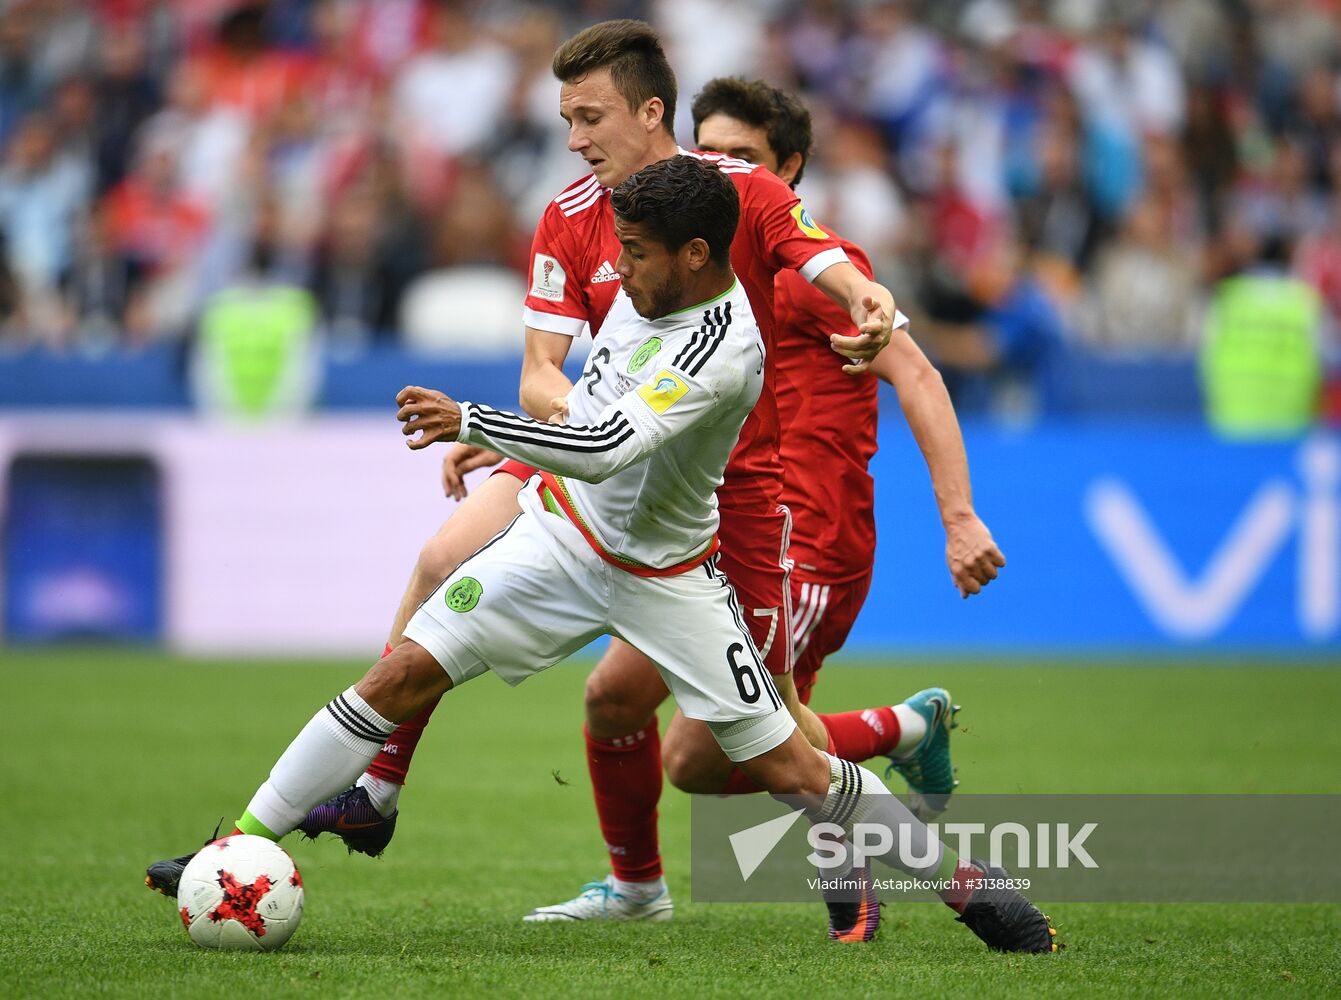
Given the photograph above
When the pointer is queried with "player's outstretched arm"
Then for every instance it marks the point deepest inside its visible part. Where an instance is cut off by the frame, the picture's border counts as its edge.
(970, 552)
(871, 306)
(624, 433)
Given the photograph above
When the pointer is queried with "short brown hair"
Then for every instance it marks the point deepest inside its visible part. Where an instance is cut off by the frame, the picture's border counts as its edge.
(632, 52)
(760, 104)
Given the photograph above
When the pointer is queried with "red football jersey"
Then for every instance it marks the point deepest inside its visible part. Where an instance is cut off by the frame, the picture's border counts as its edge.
(828, 432)
(574, 282)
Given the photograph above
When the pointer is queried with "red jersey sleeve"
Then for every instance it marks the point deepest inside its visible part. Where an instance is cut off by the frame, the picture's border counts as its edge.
(789, 237)
(556, 300)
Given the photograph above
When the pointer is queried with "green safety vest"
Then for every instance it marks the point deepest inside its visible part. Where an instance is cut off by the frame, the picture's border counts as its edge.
(1260, 369)
(255, 341)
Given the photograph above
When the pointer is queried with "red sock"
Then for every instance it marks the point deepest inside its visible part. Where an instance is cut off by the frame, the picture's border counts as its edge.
(392, 762)
(626, 781)
(859, 736)
(966, 880)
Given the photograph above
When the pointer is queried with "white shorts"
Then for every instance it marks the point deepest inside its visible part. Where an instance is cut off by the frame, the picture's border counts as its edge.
(537, 593)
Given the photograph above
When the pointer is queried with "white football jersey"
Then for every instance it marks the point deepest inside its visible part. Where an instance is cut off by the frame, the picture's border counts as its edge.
(650, 427)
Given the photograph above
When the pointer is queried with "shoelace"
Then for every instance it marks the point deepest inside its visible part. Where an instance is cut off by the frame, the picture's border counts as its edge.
(601, 888)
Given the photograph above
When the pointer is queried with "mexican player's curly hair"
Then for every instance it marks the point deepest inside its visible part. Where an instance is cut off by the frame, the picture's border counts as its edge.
(632, 52)
(762, 105)
(681, 199)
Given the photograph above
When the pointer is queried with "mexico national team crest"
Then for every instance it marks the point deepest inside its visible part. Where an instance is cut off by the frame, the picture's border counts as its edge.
(807, 224)
(464, 594)
(645, 353)
(663, 392)
(547, 278)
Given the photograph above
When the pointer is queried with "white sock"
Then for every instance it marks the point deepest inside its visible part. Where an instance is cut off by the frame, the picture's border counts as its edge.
(912, 729)
(858, 796)
(382, 794)
(332, 750)
(639, 892)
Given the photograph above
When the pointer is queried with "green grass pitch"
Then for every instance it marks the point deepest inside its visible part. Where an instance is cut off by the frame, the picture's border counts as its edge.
(116, 758)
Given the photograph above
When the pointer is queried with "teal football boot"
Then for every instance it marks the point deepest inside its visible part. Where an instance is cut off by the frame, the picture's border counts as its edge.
(928, 771)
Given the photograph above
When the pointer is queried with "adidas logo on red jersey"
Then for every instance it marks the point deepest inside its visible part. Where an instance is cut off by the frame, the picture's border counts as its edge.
(604, 273)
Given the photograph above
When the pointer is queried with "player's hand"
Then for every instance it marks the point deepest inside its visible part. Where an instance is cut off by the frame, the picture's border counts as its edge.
(560, 406)
(971, 554)
(460, 459)
(875, 327)
(433, 415)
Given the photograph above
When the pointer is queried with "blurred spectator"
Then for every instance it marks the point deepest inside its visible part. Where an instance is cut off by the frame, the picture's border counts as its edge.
(208, 139)
(1126, 82)
(159, 228)
(897, 66)
(995, 341)
(341, 80)
(1210, 151)
(1317, 260)
(475, 225)
(42, 195)
(257, 355)
(21, 85)
(127, 96)
(1058, 218)
(1260, 364)
(1313, 129)
(1145, 287)
(450, 98)
(849, 187)
(101, 290)
(530, 155)
(356, 281)
(240, 71)
(1280, 204)
(1300, 34)
(736, 41)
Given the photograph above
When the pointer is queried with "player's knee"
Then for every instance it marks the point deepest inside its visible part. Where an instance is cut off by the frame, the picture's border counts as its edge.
(440, 556)
(611, 708)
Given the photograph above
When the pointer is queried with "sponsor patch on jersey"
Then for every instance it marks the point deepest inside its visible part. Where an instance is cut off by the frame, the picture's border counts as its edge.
(464, 594)
(663, 391)
(604, 273)
(645, 353)
(807, 224)
(547, 278)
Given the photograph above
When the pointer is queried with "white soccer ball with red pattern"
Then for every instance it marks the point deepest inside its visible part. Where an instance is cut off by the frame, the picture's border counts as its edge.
(241, 893)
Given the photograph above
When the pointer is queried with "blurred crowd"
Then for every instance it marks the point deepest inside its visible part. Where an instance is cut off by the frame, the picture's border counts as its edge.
(1024, 173)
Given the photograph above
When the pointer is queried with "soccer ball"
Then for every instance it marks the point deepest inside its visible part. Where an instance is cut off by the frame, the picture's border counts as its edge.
(241, 893)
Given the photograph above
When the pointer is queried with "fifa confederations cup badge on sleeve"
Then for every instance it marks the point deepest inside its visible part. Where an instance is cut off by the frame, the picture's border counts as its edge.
(464, 594)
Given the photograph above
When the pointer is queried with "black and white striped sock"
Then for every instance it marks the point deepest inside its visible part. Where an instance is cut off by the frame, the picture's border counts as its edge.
(333, 749)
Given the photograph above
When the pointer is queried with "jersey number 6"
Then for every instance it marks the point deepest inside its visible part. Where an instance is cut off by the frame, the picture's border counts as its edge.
(742, 673)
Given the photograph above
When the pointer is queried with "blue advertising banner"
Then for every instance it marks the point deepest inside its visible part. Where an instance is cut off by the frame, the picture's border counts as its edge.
(1158, 536)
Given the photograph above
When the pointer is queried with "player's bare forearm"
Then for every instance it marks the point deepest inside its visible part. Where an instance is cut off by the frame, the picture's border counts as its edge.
(871, 306)
(970, 552)
(540, 387)
(542, 378)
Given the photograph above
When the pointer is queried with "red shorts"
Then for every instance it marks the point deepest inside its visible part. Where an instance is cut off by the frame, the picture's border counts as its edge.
(822, 617)
(753, 556)
(514, 468)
